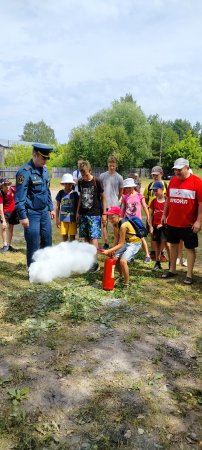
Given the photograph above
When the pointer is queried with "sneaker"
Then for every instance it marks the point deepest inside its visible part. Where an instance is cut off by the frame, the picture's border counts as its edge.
(94, 268)
(163, 257)
(12, 249)
(4, 249)
(168, 275)
(183, 262)
(125, 285)
(157, 267)
(178, 262)
(105, 246)
(147, 259)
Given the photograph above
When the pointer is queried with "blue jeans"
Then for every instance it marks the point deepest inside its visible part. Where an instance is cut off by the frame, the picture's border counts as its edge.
(39, 233)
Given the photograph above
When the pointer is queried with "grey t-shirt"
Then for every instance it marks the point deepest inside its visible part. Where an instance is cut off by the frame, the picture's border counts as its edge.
(111, 185)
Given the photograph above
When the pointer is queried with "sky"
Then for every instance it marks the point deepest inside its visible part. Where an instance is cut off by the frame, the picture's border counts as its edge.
(62, 61)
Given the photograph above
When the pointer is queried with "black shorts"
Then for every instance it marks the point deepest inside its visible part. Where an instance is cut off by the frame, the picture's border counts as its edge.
(11, 218)
(159, 234)
(175, 235)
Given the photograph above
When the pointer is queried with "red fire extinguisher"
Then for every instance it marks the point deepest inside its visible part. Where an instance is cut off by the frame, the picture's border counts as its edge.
(108, 275)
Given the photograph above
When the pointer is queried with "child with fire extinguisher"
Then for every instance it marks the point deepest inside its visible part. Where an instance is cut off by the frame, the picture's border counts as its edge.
(126, 244)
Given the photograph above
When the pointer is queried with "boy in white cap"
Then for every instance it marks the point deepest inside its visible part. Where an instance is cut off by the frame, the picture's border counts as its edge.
(67, 202)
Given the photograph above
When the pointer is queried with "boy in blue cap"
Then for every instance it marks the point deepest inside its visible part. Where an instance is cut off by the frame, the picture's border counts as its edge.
(158, 231)
(33, 200)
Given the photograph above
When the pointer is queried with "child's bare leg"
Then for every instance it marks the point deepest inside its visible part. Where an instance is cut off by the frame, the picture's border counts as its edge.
(167, 246)
(125, 269)
(104, 232)
(65, 237)
(118, 266)
(10, 233)
(4, 235)
(157, 250)
(94, 242)
(145, 247)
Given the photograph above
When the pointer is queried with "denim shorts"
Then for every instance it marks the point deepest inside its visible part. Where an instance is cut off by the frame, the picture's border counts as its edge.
(90, 227)
(128, 251)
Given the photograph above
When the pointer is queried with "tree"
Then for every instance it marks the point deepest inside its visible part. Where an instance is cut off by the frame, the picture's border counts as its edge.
(188, 148)
(18, 155)
(162, 136)
(181, 127)
(38, 132)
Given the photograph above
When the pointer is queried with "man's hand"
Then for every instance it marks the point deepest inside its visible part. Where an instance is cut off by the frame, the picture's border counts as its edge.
(52, 215)
(196, 227)
(159, 226)
(25, 222)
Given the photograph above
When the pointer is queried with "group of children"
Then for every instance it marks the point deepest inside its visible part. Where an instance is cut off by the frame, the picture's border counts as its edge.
(87, 208)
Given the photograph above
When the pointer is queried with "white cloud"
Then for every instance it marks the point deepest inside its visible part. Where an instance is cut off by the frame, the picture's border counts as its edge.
(61, 61)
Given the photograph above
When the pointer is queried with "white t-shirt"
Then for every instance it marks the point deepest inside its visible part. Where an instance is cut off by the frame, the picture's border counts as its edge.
(76, 176)
(111, 185)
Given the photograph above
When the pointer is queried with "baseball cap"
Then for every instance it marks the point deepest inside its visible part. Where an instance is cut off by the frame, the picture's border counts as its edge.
(129, 182)
(67, 178)
(157, 185)
(114, 210)
(5, 181)
(156, 170)
(43, 150)
(180, 163)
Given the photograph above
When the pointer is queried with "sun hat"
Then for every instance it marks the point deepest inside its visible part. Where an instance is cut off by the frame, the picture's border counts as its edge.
(129, 182)
(114, 210)
(180, 163)
(156, 170)
(67, 178)
(157, 185)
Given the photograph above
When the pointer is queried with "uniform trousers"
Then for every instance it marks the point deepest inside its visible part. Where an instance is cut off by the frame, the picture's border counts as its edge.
(39, 233)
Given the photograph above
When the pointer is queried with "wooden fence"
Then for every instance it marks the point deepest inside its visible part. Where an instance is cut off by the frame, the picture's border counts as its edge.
(57, 172)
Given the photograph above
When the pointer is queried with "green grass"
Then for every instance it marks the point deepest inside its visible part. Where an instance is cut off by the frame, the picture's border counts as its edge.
(77, 368)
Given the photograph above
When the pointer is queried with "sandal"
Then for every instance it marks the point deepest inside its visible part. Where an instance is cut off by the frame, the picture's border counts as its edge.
(188, 280)
(168, 275)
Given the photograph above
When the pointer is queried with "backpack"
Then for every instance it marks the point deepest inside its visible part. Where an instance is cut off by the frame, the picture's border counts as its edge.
(139, 227)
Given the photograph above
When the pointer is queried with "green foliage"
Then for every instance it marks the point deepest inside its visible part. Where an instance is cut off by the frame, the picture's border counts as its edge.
(122, 130)
(163, 136)
(60, 157)
(18, 155)
(188, 148)
(181, 127)
(38, 132)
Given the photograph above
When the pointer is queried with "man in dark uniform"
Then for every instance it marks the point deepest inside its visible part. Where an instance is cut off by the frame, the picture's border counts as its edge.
(33, 200)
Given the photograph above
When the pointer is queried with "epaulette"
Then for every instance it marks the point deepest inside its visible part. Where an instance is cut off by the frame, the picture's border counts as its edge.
(27, 167)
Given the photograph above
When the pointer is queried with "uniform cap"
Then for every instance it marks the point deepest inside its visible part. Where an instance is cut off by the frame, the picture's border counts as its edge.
(43, 149)
(5, 181)
(114, 210)
(129, 182)
(180, 163)
(156, 170)
(157, 185)
(67, 178)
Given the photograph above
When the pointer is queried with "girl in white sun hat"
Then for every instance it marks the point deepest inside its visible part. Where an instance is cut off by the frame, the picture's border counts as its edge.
(67, 202)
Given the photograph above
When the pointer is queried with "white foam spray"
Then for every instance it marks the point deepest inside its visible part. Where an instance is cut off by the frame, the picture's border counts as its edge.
(61, 261)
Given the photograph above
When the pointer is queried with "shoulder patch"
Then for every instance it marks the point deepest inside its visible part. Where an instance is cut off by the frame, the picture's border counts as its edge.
(20, 179)
(27, 167)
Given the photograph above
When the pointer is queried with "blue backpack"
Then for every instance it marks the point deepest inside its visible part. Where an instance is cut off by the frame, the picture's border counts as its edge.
(139, 227)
